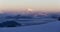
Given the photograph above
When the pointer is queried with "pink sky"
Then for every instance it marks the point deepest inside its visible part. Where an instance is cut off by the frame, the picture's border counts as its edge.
(41, 5)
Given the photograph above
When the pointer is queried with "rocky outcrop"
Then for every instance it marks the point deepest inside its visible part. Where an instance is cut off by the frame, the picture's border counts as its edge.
(59, 18)
(9, 24)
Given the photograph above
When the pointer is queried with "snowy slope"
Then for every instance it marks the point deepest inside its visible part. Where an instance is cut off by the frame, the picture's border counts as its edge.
(49, 27)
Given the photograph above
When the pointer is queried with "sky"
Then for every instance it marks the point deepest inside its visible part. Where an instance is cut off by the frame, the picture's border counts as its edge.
(41, 5)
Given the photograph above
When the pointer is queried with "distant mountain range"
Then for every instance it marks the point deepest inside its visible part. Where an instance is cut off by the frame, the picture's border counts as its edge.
(29, 15)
